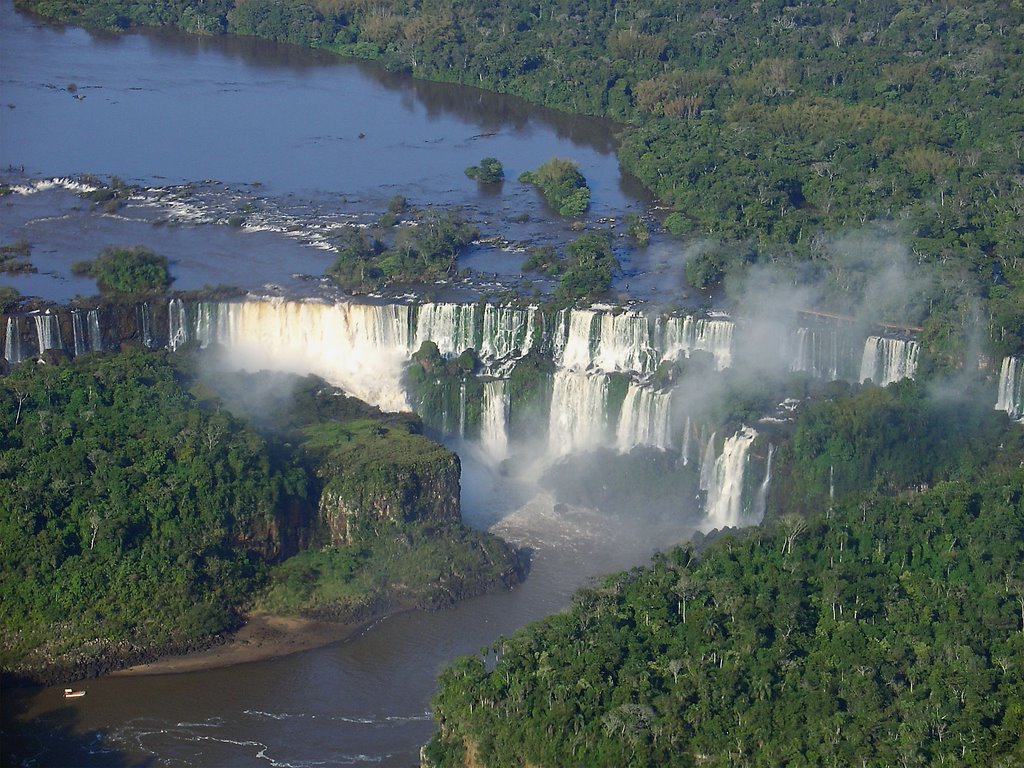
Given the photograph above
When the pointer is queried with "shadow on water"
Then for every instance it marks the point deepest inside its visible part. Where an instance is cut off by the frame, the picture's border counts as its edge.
(492, 111)
(53, 738)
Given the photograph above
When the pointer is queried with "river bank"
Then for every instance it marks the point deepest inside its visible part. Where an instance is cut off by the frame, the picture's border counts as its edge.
(263, 636)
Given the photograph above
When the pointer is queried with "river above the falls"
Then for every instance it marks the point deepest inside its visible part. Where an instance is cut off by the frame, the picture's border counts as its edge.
(292, 139)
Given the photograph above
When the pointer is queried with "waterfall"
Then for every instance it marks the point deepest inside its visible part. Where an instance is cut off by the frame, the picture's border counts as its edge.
(707, 464)
(644, 419)
(761, 500)
(577, 420)
(361, 348)
(210, 318)
(145, 323)
(685, 453)
(680, 336)
(80, 342)
(586, 339)
(177, 324)
(508, 332)
(624, 344)
(494, 419)
(47, 332)
(462, 408)
(95, 335)
(887, 360)
(575, 352)
(451, 326)
(1011, 387)
(824, 353)
(725, 496)
(12, 346)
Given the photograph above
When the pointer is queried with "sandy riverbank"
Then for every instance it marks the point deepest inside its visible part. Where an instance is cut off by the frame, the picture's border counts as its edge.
(263, 637)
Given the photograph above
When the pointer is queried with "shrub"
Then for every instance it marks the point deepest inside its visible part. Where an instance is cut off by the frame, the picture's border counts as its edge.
(562, 185)
(134, 269)
(490, 171)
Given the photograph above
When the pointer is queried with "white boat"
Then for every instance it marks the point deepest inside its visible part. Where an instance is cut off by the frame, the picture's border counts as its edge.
(71, 694)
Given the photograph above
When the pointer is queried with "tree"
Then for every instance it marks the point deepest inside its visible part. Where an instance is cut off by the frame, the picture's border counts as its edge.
(489, 171)
(134, 269)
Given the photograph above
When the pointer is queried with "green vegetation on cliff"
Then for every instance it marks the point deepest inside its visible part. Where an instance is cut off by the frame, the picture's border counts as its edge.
(429, 565)
(887, 440)
(447, 392)
(138, 516)
(127, 513)
(388, 530)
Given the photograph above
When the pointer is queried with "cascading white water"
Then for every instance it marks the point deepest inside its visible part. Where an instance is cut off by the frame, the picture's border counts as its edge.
(823, 353)
(177, 324)
(508, 332)
(586, 339)
(494, 420)
(761, 500)
(1010, 396)
(146, 324)
(578, 420)
(680, 336)
(95, 334)
(887, 360)
(462, 409)
(707, 464)
(573, 351)
(451, 326)
(685, 453)
(725, 496)
(210, 318)
(12, 344)
(79, 340)
(624, 344)
(645, 419)
(359, 347)
(47, 332)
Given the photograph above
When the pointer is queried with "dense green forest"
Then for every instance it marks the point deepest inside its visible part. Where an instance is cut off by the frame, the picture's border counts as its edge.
(127, 512)
(883, 626)
(767, 127)
(138, 515)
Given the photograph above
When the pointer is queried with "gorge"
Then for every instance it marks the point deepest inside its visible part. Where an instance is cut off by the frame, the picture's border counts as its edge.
(614, 375)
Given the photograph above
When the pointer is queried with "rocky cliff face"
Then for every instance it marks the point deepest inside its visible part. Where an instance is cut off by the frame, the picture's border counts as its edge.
(365, 496)
(47, 331)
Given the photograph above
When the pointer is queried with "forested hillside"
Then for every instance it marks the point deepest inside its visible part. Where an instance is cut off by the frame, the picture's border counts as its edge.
(127, 513)
(884, 626)
(767, 127)
(137, 519)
